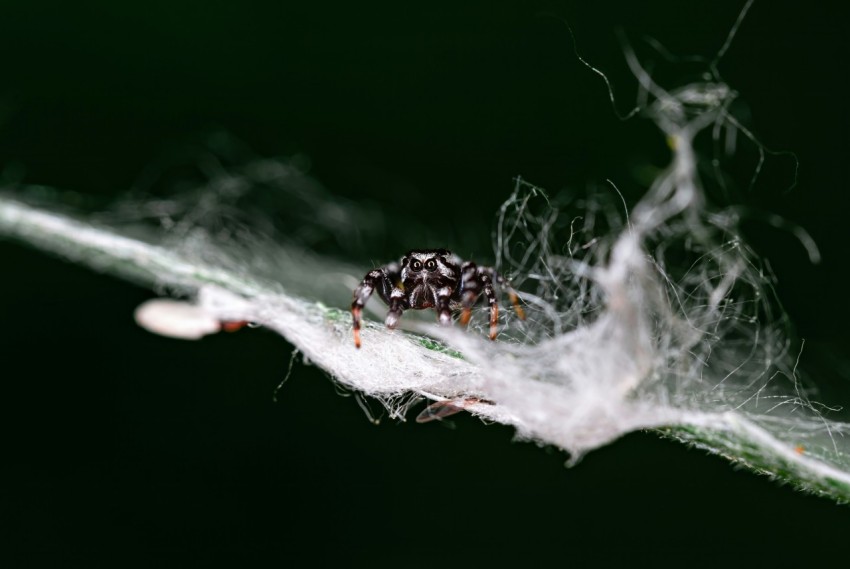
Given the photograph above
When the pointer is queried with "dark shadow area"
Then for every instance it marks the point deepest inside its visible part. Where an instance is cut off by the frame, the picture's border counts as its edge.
(121, 442)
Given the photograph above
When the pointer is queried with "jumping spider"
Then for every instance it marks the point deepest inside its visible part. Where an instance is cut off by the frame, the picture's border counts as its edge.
(431, 278)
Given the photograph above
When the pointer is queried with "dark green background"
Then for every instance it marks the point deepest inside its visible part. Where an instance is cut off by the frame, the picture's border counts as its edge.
(118, 441)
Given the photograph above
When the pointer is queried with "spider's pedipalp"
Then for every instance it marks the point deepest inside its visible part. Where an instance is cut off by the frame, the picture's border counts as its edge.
(444, 311)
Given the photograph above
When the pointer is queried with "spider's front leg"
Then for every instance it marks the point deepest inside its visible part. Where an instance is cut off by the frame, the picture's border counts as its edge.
(397, 305)
(381, 280)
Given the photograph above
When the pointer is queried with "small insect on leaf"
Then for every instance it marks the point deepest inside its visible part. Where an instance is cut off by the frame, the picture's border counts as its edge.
(442, 409)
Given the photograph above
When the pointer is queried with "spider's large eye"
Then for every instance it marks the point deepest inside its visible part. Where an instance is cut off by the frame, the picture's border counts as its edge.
(430, 264)
(416, 265)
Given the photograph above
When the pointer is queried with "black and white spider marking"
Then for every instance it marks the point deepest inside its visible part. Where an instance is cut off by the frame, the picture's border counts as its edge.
(432, 278)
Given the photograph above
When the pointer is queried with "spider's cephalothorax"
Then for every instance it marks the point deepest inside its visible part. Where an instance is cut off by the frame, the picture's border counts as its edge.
(431, 278)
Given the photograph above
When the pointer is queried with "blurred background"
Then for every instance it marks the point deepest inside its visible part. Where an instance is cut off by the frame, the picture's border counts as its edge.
(117, 440)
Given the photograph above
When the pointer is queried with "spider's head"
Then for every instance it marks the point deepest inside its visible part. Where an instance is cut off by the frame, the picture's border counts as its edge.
(427, 274)
(425, 261)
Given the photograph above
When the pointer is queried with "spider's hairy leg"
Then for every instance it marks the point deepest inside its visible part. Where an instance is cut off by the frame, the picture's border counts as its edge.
(376, 279)
(470, 289)
(395, 297)
(506, 286)
(491, 300)
(515, 301)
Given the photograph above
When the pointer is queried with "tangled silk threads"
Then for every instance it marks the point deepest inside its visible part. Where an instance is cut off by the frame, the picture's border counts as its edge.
(659, 317)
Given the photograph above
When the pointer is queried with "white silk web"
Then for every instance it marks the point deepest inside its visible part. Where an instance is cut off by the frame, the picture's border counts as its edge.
(659, 317)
